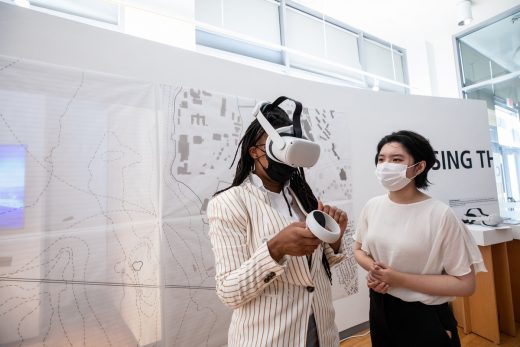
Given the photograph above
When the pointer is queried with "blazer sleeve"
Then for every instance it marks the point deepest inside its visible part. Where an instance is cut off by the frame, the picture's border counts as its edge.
(335, 258)
(240, 275)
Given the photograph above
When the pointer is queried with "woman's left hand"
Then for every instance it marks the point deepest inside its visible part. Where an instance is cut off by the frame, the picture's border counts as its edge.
(338, 214)
(340, 217)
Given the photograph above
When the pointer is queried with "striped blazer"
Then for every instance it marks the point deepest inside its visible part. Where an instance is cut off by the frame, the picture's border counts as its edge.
(271, 301)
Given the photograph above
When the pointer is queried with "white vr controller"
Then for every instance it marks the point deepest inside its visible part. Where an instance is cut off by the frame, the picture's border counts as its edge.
(283, 147)
(323, 226)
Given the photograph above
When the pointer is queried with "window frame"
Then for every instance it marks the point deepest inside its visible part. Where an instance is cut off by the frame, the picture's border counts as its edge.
(86, 19)
(458, 56)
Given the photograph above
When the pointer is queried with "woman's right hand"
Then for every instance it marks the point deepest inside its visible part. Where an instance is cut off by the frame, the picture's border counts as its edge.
(295, 240)
(376, 285)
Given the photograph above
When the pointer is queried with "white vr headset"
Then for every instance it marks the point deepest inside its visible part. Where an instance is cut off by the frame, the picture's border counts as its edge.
(471, 217)
(286, 145)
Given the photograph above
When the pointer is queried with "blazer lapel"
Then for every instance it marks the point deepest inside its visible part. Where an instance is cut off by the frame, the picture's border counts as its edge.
(316, 260)
(298, 270)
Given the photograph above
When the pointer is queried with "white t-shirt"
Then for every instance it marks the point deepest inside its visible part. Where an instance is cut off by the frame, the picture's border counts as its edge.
(420, 238)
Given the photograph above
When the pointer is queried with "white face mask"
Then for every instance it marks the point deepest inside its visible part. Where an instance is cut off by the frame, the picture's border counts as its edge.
(392, 176)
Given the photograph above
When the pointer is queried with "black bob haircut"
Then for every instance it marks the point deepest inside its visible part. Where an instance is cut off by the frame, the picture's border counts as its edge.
(418, 147)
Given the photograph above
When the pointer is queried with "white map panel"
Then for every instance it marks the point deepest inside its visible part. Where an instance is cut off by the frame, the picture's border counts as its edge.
(114, 248)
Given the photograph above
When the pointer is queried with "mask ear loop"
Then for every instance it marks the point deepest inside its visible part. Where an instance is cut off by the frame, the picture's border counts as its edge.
(413, 166)
(255, 159)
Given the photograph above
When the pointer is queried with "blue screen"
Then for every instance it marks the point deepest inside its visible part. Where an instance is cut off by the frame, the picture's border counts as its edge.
(12, 186)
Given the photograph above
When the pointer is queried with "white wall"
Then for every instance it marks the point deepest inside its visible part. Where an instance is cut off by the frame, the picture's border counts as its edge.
(49, 39)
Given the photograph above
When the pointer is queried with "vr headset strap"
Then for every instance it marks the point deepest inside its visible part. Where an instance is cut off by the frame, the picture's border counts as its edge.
(297, 128)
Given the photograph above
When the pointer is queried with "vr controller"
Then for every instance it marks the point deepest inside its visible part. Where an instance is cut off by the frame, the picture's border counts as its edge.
(471, 217)
(323, 226)
(286, 145)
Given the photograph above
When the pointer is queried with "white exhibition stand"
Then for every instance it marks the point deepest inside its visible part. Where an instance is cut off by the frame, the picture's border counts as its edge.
(495, 305)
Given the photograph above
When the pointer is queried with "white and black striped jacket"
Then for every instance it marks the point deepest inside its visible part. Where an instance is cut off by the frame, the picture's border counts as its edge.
(271, 301)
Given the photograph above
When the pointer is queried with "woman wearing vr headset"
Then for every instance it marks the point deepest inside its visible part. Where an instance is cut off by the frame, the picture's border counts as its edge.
(270, 268)
(418, 254)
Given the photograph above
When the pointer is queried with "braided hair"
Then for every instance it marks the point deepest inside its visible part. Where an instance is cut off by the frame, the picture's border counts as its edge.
(278, 118)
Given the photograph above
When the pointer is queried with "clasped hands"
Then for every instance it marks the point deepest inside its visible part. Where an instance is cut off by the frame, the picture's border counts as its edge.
(381, 277)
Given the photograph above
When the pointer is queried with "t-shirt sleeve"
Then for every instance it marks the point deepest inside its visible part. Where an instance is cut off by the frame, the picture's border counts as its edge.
(361, 226)
(459, 250)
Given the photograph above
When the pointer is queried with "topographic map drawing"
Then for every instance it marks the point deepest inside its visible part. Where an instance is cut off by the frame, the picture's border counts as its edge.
(106, 241)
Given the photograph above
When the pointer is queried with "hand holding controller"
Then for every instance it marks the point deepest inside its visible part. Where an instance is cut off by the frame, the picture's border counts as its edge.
(323, 226)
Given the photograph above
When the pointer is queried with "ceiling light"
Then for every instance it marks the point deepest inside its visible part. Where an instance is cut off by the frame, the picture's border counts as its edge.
(464, 15)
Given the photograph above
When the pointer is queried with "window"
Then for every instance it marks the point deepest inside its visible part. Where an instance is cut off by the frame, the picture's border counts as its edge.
(254, 18)
(96, 10)
(281, 34)
(322, 40)
(477, 67)
(289, 34)
(385, 61)
(489, 67)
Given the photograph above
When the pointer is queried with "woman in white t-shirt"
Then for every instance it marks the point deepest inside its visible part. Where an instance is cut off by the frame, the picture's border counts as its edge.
(418, 254)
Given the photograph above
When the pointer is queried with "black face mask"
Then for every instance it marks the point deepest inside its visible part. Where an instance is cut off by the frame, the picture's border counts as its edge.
(278, 172)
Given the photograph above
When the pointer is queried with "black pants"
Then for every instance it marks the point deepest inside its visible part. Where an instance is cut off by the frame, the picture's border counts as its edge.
(397, 323)
(312, 333)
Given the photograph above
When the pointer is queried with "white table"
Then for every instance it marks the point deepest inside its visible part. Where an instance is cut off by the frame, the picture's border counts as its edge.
(486, 236)
(516, 231)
